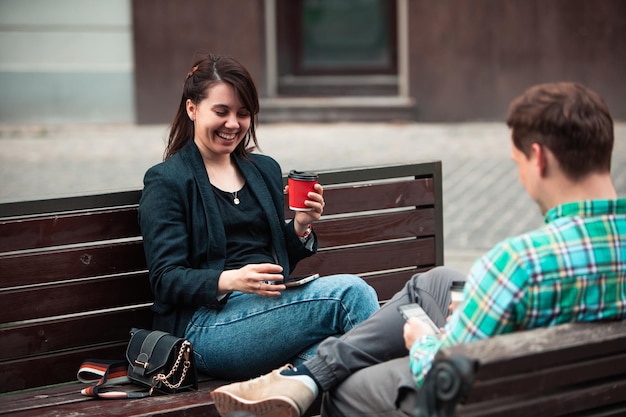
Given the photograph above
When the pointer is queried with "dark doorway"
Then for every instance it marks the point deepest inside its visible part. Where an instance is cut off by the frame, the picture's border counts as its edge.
(337, 47)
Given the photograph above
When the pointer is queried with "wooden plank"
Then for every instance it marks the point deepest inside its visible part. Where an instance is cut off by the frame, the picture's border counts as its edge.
(65, 229)
(62, 401)
(375, 227)
(66, 264)
(528, 351)
(376, 196)
(549, 378)
(388, 284)
(379, 196)
(64, 204)
(419, 169)
(27, 340)
(40, 398)
(358, 260)
(76, 297)
(577, 399)
(29, 403)
(53, 368)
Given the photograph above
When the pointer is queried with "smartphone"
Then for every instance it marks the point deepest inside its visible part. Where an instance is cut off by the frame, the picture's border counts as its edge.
(415, 310)
(296, 282)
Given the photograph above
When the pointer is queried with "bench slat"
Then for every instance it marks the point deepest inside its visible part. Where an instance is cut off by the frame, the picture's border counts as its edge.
(550, 378)
(365, 197)
(69, 264)
(75, 297)
(66, 401)
(387, 284)
(375, 227)
(66, 229)
(423, 169)
(357, 260)
(66, 204)
(28, 340)
(604, 398)
(50, 369)
(526, 351)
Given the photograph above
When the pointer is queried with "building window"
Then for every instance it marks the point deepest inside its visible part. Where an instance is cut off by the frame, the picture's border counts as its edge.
(337, 37)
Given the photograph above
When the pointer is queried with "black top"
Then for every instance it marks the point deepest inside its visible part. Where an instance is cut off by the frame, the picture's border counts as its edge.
(248, 236)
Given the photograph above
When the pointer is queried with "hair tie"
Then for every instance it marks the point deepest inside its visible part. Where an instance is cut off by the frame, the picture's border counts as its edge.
(193, 70)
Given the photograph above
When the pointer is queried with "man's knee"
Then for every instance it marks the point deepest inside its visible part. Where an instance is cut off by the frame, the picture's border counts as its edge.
(432, 291)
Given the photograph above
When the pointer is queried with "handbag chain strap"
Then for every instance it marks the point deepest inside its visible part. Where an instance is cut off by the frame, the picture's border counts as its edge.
(185, 350)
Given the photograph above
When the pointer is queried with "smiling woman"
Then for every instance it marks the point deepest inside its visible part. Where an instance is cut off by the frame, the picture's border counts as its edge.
(220, 124)
(217, 244)
(233, 92)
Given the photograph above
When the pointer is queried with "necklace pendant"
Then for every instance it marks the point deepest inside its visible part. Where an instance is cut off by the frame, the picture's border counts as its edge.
(236, 200)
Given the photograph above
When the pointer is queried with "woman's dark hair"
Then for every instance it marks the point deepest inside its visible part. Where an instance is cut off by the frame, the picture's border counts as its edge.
(206, 72)
(570, 120)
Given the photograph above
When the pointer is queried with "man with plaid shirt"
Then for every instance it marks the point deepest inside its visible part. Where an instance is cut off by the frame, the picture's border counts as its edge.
(571, 269)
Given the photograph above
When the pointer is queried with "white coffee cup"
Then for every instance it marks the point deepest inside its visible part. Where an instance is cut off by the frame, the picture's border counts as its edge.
(456, 294)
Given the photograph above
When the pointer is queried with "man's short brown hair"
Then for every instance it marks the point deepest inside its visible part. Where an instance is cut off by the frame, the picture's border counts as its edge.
(570, 120)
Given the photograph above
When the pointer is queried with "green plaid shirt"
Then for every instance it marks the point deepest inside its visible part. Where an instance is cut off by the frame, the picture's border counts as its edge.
(571, 269)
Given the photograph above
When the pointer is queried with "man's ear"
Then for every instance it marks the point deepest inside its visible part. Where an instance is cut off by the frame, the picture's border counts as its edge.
(540, 154)
(190, 106)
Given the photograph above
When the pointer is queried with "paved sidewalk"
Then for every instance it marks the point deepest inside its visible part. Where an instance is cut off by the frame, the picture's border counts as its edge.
(483, 201)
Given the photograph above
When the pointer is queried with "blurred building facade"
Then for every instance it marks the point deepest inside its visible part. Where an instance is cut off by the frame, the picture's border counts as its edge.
(66, 61)
(124, 61)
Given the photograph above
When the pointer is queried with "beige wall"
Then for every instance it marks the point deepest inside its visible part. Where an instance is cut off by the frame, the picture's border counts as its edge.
(468, 59)
(65, 61)
(169, 33)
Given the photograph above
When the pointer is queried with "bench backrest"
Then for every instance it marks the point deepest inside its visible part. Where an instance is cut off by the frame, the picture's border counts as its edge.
(563, 370)
(73, 277)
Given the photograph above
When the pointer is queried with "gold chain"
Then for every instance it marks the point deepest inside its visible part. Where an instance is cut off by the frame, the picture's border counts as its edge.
(185, 350)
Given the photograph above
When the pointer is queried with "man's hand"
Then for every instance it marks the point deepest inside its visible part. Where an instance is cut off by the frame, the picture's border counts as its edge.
(414, 329)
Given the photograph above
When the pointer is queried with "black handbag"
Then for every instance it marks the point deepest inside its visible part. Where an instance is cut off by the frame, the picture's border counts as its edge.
(161, 361)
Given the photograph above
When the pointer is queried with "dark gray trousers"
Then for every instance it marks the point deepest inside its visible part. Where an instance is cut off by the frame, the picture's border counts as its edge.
(365, 372)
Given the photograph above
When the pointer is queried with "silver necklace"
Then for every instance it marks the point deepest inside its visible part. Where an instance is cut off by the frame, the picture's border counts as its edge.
(236, 200)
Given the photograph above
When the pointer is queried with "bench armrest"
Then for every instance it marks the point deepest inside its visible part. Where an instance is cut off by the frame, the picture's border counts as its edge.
(448, 383)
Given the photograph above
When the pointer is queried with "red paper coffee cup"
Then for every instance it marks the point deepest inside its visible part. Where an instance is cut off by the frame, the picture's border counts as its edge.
(300, 184)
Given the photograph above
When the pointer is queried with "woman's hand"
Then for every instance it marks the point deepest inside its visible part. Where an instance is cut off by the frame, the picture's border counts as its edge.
(414, 329)
(263, 279)
(303, 219)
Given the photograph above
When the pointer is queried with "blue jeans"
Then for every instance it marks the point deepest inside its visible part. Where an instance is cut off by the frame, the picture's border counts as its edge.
(253, 335)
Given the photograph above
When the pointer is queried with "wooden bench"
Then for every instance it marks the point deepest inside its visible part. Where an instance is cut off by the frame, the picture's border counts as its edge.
(73, 279)
(574, 369)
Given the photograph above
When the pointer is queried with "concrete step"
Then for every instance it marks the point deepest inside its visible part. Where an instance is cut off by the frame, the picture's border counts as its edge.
(337, 109)
(345, 85)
